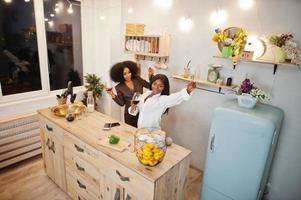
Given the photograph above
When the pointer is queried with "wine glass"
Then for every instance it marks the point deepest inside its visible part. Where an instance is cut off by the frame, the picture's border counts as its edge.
(136, 98)
(108, 85)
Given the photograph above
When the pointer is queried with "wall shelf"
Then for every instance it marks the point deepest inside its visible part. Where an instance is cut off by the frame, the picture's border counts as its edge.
(206, 83)
(153, 46)
(261, 61)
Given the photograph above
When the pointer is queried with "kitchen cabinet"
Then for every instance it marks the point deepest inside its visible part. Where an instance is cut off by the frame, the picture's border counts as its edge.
(90, 171)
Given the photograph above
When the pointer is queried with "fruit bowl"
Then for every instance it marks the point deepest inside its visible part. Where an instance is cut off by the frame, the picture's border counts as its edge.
(150, 146)
(62, 110)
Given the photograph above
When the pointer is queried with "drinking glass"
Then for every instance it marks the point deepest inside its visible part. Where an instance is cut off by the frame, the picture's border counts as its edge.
(108, 85)
(136, 98)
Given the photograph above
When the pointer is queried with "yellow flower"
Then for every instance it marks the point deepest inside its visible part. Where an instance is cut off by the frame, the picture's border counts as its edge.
(215, 38)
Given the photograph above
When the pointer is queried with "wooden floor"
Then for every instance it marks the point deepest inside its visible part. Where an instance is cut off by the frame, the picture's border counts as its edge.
(28, 181)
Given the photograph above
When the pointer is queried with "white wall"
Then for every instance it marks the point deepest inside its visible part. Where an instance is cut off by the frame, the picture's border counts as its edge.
(189, 123)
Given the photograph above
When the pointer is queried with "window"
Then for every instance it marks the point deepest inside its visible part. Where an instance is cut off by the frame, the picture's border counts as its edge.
(63, 31)
(19, 60)
(28, 66)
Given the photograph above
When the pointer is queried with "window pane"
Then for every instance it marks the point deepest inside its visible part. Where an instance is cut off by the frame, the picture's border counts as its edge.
(63, 32)
(19, 60)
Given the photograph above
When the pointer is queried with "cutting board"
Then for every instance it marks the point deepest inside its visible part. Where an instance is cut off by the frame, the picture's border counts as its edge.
(120, 146)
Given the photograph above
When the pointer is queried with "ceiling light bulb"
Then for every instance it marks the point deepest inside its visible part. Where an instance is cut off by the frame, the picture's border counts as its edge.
(246, 4)
(70, 9)
(218, 17)
(7, 1)
(185, 24)
(46, 19)
(51, 15)
(102, 17)
(27, 0)
(130, 10)
(57, 10)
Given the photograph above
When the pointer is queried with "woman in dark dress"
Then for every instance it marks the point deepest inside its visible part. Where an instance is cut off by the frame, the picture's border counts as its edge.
(126, 75)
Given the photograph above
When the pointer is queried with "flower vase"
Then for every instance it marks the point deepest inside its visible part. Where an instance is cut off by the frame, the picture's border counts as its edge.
(246, 100)
(280, 55)
(227, 52)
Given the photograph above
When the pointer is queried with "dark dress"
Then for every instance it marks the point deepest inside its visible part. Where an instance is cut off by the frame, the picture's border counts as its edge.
(124, 97)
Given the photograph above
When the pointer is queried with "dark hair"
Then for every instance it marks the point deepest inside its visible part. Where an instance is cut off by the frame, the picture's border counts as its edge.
(117, 69)
(165, 81)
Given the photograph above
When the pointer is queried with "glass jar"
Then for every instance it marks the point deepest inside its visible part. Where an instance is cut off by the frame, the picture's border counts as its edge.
(150, 147)
(90, 102)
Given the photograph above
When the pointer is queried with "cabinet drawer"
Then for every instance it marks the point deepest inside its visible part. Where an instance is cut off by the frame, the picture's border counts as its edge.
(80, 149)
(81, 186)
(83, 168)
(50, 128)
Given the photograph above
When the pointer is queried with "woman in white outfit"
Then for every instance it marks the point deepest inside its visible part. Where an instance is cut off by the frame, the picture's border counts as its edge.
(154, 103)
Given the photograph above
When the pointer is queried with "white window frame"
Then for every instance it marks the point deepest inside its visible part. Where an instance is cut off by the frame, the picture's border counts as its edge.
(43, 61)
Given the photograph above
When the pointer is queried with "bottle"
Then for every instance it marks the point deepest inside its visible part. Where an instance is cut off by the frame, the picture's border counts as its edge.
(90, 102)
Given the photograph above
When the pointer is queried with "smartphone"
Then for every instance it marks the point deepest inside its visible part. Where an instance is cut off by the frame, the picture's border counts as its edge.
(115, 124)
(107, 126)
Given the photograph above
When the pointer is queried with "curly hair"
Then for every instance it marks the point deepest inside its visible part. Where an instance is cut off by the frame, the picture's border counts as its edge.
(116, 72)
(165, 81)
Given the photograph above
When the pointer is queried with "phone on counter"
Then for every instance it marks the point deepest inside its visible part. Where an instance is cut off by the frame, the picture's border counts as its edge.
(107, 126)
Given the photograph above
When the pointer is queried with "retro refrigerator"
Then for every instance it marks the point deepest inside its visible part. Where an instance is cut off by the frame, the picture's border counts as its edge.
(240, 151)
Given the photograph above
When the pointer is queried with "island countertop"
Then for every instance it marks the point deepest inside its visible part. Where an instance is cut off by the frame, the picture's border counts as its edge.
(89, 129)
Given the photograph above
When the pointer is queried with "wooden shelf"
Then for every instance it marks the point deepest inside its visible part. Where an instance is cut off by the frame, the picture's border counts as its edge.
(154, 46)
(206, 83)
(261, 61)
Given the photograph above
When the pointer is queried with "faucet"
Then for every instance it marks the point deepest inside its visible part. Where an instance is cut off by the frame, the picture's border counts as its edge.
(69, 91)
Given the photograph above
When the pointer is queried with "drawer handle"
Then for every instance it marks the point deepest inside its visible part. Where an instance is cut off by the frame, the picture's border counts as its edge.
(123, 178)
(79, 167)
(47, 143)
(52, 147)
(117, 194)
(128, 197)
(78, 148)
(49, 128)
(81, 185)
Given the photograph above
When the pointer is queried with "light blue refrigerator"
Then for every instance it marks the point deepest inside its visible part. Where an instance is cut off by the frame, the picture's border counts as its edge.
(240, 151)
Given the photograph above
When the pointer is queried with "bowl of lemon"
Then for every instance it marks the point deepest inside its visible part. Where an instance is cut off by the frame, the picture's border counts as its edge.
(150, 146)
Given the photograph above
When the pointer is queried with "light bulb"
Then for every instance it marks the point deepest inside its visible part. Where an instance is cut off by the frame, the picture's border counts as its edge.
(70, 9)
(130, 10)
(185, 24)
(51, 15)
(50, 23)
(218, 17)
(163, 3)
(46, 19)
(7, 1)
(102, 17)
(57, 10)
(27, 0)
(246, 4)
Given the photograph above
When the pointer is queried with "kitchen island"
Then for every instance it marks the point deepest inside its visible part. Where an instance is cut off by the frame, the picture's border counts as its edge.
(81, 167)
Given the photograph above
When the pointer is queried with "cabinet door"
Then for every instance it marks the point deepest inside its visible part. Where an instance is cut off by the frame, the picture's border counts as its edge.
(48, 156)
(129, 195)
(58, 163)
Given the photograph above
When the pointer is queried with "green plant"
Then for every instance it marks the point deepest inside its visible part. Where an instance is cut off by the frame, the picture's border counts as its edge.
(93, 83)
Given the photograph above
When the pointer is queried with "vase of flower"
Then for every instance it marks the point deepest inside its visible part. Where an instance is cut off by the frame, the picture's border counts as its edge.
(246, 100)
(248, 95)
(227, 51)
(280, 55)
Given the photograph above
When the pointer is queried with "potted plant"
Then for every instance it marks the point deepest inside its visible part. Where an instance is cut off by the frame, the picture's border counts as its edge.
(280, 41)
(93, 83)
(248, 94)
(230, 41)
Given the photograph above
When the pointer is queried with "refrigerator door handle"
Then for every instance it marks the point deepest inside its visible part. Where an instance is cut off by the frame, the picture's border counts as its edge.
(212, 143)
